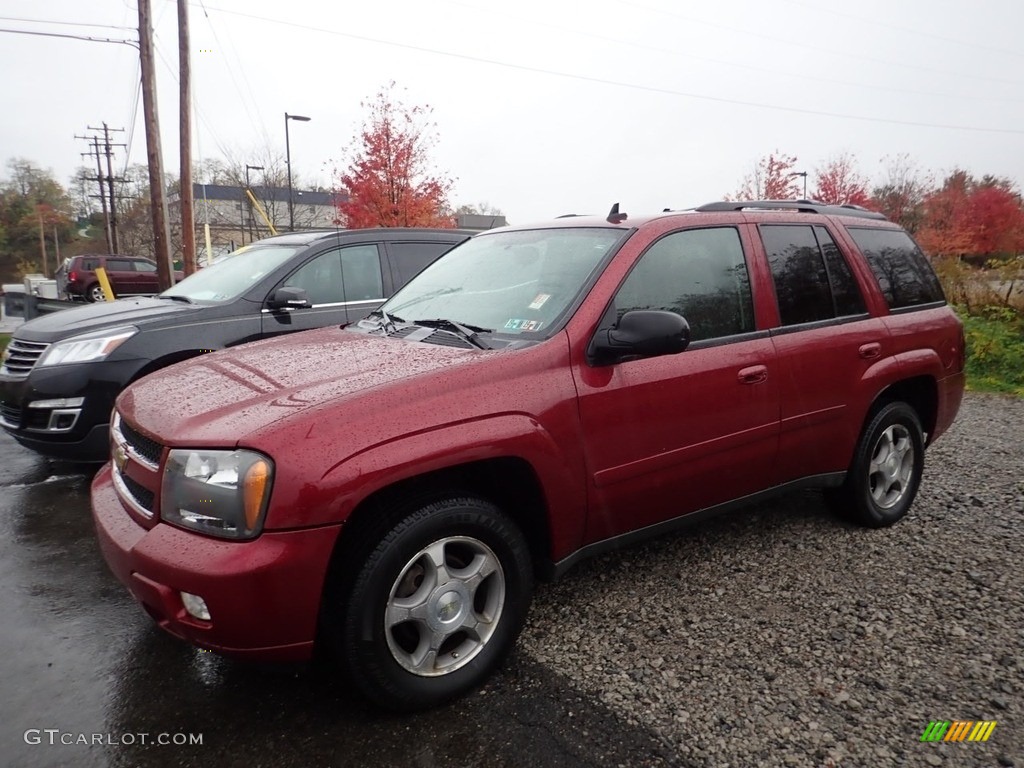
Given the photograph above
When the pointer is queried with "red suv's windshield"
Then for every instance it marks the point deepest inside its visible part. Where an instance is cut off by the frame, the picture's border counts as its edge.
(507, 282)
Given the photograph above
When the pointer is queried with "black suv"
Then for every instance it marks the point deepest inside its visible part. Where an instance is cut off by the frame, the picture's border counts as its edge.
(61, 372)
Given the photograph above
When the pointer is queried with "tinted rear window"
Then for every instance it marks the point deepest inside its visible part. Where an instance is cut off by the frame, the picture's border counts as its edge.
(903, 273)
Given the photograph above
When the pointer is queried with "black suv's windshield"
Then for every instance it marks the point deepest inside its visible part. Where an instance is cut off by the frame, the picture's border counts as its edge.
(233, 275)
(506, 282)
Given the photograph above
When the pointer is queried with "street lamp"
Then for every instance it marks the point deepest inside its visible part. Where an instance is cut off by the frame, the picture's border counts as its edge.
(248, 203)
(804, 174)
(288, 162)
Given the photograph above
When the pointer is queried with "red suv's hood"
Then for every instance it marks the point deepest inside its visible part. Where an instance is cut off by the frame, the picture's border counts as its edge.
(222, 397)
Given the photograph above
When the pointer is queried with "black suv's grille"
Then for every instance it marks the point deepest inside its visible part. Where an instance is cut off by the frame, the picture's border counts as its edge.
(20, 356)
(10, 414)
(142, 495)
(148, 449)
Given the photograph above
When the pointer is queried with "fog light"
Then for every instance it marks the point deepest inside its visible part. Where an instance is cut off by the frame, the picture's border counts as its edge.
(196, 606)
(60, 402)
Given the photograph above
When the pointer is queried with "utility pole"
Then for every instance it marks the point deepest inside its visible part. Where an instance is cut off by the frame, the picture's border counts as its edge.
(188, 223)
(115, 248)
(99, 179)
(158, 203)
(106, 196)
(112, 202)
(42, 236)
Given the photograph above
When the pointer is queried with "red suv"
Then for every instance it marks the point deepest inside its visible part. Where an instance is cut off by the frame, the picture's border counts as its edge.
(128, 275)
(390, 490)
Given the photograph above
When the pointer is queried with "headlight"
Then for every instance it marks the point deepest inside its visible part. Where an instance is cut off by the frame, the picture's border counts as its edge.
(219, 493)
(87, 347)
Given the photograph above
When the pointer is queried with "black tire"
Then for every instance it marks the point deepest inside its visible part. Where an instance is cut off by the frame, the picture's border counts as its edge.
(385, 654)
(886, 469)
(94, 293)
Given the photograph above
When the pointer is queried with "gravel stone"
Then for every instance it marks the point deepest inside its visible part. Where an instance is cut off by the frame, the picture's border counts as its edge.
(781, 635)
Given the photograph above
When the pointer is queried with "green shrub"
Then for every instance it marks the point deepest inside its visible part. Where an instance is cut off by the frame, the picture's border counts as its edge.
(995, 350)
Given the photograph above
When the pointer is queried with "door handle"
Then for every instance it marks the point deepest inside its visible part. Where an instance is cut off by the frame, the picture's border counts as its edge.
(755, 374)
(870, 351)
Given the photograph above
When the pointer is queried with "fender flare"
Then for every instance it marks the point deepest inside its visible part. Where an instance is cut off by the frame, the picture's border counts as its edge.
(508, 435)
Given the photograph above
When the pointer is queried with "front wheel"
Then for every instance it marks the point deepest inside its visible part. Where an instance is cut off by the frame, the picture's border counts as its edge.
(886, 470)
(437, 604)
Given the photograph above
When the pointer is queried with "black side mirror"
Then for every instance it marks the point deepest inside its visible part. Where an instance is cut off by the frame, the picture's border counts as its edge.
(289, 297)
(641, 333)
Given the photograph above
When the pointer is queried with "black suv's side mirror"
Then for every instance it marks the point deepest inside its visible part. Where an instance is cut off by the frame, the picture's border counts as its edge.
(641, 333)
(289, 297)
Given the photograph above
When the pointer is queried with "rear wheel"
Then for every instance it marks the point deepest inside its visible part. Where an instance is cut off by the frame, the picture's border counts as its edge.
(95, 293)
(436, 605)
(886, 470)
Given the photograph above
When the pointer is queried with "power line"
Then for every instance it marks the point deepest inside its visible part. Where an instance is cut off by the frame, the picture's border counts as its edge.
(238, 89)
(817, 48)
(750, 67)
(64, 23)
(130, 135)
(245, 78)
(906, 30)
(174, 75)
(622, 84)
(132, 43)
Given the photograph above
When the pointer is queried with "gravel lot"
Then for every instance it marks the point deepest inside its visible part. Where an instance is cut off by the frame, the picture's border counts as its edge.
(782, 636)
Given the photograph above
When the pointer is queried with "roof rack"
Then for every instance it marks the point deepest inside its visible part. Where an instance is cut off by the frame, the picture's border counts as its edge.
(803, 206)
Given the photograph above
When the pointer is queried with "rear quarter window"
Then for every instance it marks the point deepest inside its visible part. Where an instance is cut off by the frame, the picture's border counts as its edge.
(902, 270)
(409, 259)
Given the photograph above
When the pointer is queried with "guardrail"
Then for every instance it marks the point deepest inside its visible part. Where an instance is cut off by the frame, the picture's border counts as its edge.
(28, 306)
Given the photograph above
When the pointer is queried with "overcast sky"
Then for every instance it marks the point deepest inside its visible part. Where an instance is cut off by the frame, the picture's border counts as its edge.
(542, 108)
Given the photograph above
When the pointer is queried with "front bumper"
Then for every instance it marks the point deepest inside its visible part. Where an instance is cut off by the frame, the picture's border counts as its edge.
(263, 595)
(77, 433)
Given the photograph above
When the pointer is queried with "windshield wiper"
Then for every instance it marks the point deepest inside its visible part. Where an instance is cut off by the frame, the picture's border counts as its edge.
(185, 299)
(462, 330)
(429, 295)
(388, 321)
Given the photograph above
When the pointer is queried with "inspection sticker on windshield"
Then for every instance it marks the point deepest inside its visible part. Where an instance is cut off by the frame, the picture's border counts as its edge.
(539, 300)
(524, 325)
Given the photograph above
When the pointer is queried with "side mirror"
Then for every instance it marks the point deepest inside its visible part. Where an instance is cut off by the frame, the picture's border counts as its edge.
(641, 333)
(289, 298)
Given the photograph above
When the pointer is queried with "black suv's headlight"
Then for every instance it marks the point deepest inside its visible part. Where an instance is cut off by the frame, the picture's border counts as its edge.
(219, 493)
(87, 347)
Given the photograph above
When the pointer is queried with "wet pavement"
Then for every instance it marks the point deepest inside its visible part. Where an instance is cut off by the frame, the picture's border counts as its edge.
(86, 679)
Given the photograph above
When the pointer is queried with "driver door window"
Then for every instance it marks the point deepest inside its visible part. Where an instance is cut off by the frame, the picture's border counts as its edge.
(342, 275)
(700, 274)
(320, 278)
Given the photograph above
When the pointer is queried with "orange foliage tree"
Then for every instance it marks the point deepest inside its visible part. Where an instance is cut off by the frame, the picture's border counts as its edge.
(773, 178)
(839, 183)
(977, 219)
(391, 181)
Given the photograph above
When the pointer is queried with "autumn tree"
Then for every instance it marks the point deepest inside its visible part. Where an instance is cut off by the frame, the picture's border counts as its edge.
(838, 182)
(391, 180)
(34, 218)
(901, 194)
(969, 218)
(772, 178)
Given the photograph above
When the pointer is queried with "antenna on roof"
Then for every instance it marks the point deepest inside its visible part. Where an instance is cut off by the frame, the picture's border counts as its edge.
(614, 217)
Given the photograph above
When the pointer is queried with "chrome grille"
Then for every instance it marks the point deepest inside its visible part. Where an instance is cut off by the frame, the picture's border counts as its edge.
(148, 449)
(142, 495)
(20, 357)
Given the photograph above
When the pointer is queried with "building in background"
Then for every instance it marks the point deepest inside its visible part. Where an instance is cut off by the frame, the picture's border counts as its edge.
(234, 221)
